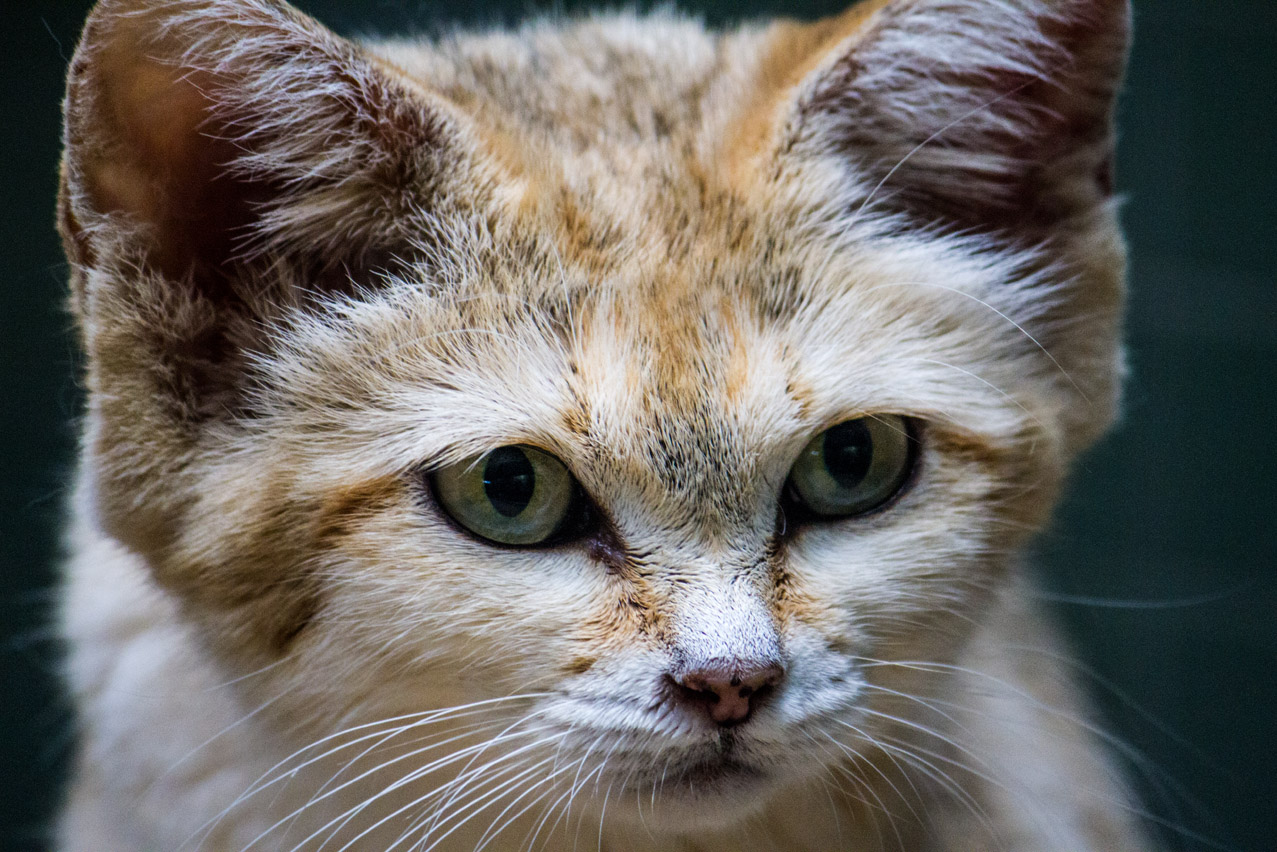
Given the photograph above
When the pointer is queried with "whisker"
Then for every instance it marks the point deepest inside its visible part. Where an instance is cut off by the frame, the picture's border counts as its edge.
(417, 720)
(859, 759)
(342, 819)
(1017, 326)
(476, 805)
(414, 776)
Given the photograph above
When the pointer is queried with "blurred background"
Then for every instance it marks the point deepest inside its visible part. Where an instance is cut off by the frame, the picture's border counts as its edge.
(1161, 563)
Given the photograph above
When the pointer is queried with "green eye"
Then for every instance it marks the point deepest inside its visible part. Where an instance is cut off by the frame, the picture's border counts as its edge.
(512, 495)
(853, 467)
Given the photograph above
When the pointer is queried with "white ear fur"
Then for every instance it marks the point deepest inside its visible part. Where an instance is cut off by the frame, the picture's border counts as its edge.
(987, 114)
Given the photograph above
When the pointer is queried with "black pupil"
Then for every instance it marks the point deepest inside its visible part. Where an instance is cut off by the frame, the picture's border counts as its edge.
(848, 453)
(509, 480)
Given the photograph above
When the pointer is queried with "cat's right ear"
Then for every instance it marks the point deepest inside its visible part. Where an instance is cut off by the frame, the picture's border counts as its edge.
(207, 138)
(971, 115)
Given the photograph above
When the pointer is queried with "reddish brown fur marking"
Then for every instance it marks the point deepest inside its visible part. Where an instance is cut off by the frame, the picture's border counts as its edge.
(631, 616)
(303, 601)
(971, 448)
(343, 510)
(264, 586)
(789, 603)
(795, 50)
(581, 240)
(259, 596)
(739, 375)
(800, 391)
(1026, 483)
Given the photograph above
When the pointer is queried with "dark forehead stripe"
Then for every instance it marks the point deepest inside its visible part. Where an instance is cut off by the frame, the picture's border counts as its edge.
(695, 455)
(698, 453)
(684, 326)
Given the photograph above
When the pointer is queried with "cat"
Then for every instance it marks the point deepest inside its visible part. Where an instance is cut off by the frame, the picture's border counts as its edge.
(609, 433)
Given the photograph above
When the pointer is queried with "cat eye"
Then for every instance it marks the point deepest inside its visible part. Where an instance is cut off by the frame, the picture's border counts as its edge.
(853, 467)
(514, 495)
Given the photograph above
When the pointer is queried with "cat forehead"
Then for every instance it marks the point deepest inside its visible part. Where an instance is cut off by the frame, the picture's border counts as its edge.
(674, 392)
(574, 99)
(711, 359)
(633, 290)
(629, 129)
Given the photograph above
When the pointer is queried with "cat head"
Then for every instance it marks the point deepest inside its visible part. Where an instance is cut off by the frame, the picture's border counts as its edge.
(341, 301)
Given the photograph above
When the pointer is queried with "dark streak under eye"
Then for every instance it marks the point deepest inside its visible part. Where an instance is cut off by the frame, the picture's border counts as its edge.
(607, 547)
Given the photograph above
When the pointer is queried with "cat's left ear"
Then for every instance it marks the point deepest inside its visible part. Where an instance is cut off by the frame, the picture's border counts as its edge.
(975, 114)
(206, 136)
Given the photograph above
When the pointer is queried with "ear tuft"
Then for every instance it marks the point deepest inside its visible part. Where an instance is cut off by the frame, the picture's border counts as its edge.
(984, 114)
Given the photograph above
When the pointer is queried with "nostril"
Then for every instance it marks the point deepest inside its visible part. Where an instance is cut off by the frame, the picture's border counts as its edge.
(693, 693)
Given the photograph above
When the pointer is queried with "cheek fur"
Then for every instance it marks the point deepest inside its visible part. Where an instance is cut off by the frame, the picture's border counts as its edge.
(932, 558)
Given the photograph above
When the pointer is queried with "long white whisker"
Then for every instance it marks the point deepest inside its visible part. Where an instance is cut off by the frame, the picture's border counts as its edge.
(465, 771)
(476, 806)
(415, 720)
(421, 772)
(319, 797)
(862, 760)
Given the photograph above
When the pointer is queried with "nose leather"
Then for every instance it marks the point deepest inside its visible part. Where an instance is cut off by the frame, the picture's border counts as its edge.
(728, 690)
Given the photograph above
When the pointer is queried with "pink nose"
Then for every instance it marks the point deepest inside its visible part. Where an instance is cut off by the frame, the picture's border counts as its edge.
(727, 693)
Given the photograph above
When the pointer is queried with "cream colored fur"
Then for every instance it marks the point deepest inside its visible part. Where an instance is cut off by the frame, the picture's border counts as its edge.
(306, 272)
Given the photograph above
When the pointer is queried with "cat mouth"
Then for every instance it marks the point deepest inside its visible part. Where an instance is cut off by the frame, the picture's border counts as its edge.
(719, 767)
(714, 774)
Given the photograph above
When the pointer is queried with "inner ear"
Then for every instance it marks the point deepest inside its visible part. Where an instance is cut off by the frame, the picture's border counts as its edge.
(202, 135)
(170, 168)
(228, 161)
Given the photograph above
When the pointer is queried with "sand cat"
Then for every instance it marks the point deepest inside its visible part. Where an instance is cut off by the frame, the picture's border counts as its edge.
(608, 434)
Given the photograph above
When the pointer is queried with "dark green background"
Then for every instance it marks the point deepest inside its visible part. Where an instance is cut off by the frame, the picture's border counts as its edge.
(1162, 560)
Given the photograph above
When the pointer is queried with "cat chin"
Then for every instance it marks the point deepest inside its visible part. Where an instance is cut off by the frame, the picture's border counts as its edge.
(676, 816)
(709, 796)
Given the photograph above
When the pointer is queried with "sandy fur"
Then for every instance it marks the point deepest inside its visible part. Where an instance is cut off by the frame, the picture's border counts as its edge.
(307, 271)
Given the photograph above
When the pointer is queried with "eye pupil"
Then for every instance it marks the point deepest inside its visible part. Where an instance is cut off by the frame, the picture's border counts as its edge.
(848, 453)
(509, 481)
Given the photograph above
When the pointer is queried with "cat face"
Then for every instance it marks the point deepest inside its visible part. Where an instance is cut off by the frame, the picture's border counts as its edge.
(331, 275)
(681, 426)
